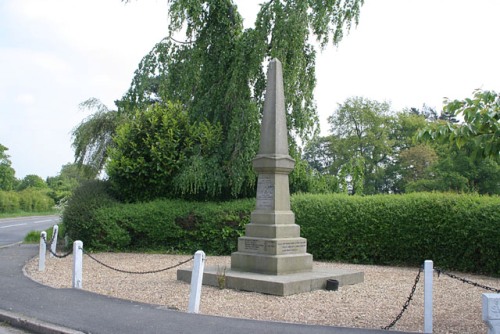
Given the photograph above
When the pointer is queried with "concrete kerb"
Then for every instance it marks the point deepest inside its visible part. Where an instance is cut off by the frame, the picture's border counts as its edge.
(33, 325)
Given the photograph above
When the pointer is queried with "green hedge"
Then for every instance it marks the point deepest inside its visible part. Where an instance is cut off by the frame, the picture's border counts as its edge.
(28, 200)
(457, 232)
(176, 225)
(173, 225)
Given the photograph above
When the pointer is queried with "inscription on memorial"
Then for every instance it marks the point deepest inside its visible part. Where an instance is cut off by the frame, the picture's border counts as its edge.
(259, 246)
(265, 192)
(295, 246)
(283, 247)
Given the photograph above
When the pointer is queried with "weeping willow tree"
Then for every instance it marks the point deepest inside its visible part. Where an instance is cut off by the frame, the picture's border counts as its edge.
(217, 74)
(93, 137)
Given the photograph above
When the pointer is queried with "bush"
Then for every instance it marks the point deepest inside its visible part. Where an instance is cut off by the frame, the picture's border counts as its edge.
(160, 153)
(9, 201)
(28, 200)
(31, 200)
(171, 225)
(81, 223)
(459, 232)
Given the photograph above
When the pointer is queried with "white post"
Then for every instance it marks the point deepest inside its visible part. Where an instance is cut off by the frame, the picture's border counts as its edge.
(428, 276)
(196, 281)
(77, 264)
(42, 251)
(53, 246)
(491, 312)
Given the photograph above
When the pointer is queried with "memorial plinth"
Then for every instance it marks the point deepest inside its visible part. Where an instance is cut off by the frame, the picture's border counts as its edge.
(272, 258)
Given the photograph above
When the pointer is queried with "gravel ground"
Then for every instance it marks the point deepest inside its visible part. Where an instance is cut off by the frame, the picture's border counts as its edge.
(372, 304)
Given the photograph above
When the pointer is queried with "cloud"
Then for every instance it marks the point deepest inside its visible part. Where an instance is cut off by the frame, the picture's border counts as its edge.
(25, 99)
(55, 54)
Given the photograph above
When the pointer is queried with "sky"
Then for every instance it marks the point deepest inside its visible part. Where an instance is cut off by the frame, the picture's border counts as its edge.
(55, 54)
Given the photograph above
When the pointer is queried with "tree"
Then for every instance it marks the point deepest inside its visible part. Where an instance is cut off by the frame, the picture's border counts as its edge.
(403, 128)
(317, 154)
(217, 76)
(68, 179)
(32, 181)
(427, 112)
(7, 173)
(159, 153)
(416, 161)
(93, 137)
(360, 143)
(481, 124)
(457, 170)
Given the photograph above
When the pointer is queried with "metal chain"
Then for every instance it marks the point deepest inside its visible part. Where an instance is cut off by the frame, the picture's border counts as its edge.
(61, 256)
(49, 248)
(48, 244)
(464, 280)
(407, 303)
(137, 272)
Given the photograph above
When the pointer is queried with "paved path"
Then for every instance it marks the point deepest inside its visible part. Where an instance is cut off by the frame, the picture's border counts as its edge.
(36, 307)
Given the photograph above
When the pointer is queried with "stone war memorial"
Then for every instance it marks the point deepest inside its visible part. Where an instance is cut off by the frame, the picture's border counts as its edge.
(272, 258)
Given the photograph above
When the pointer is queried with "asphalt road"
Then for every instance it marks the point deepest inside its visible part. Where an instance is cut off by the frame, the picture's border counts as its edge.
(14, 230)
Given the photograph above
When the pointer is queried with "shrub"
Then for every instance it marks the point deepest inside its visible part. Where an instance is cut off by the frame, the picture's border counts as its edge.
(28, 200)
(180, 226)
(459, 232)
(81, 223)
(160, 153)
(9, 201)
(32, 200)
(171, 225)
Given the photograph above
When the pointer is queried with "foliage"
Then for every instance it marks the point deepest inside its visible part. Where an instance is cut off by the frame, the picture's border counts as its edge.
(7, 173)
(409, 161)
(415, 162)
(456, 170)
(306, 179)
(28, 200)
(71, 175)
(171, 225)
(32, 181)
(159, 153)
(92, 138)
(79, 216)
(457, 232)
(217, 77)
(33, 237)
(9, 201)
(372, 152)
(481, 124)
(317, 154)
(360, 143)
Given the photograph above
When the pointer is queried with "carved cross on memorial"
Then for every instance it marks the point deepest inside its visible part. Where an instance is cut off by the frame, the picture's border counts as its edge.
(272, 242)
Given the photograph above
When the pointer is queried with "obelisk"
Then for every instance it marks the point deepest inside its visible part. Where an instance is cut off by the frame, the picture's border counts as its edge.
(272, 244)
(272, 258)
